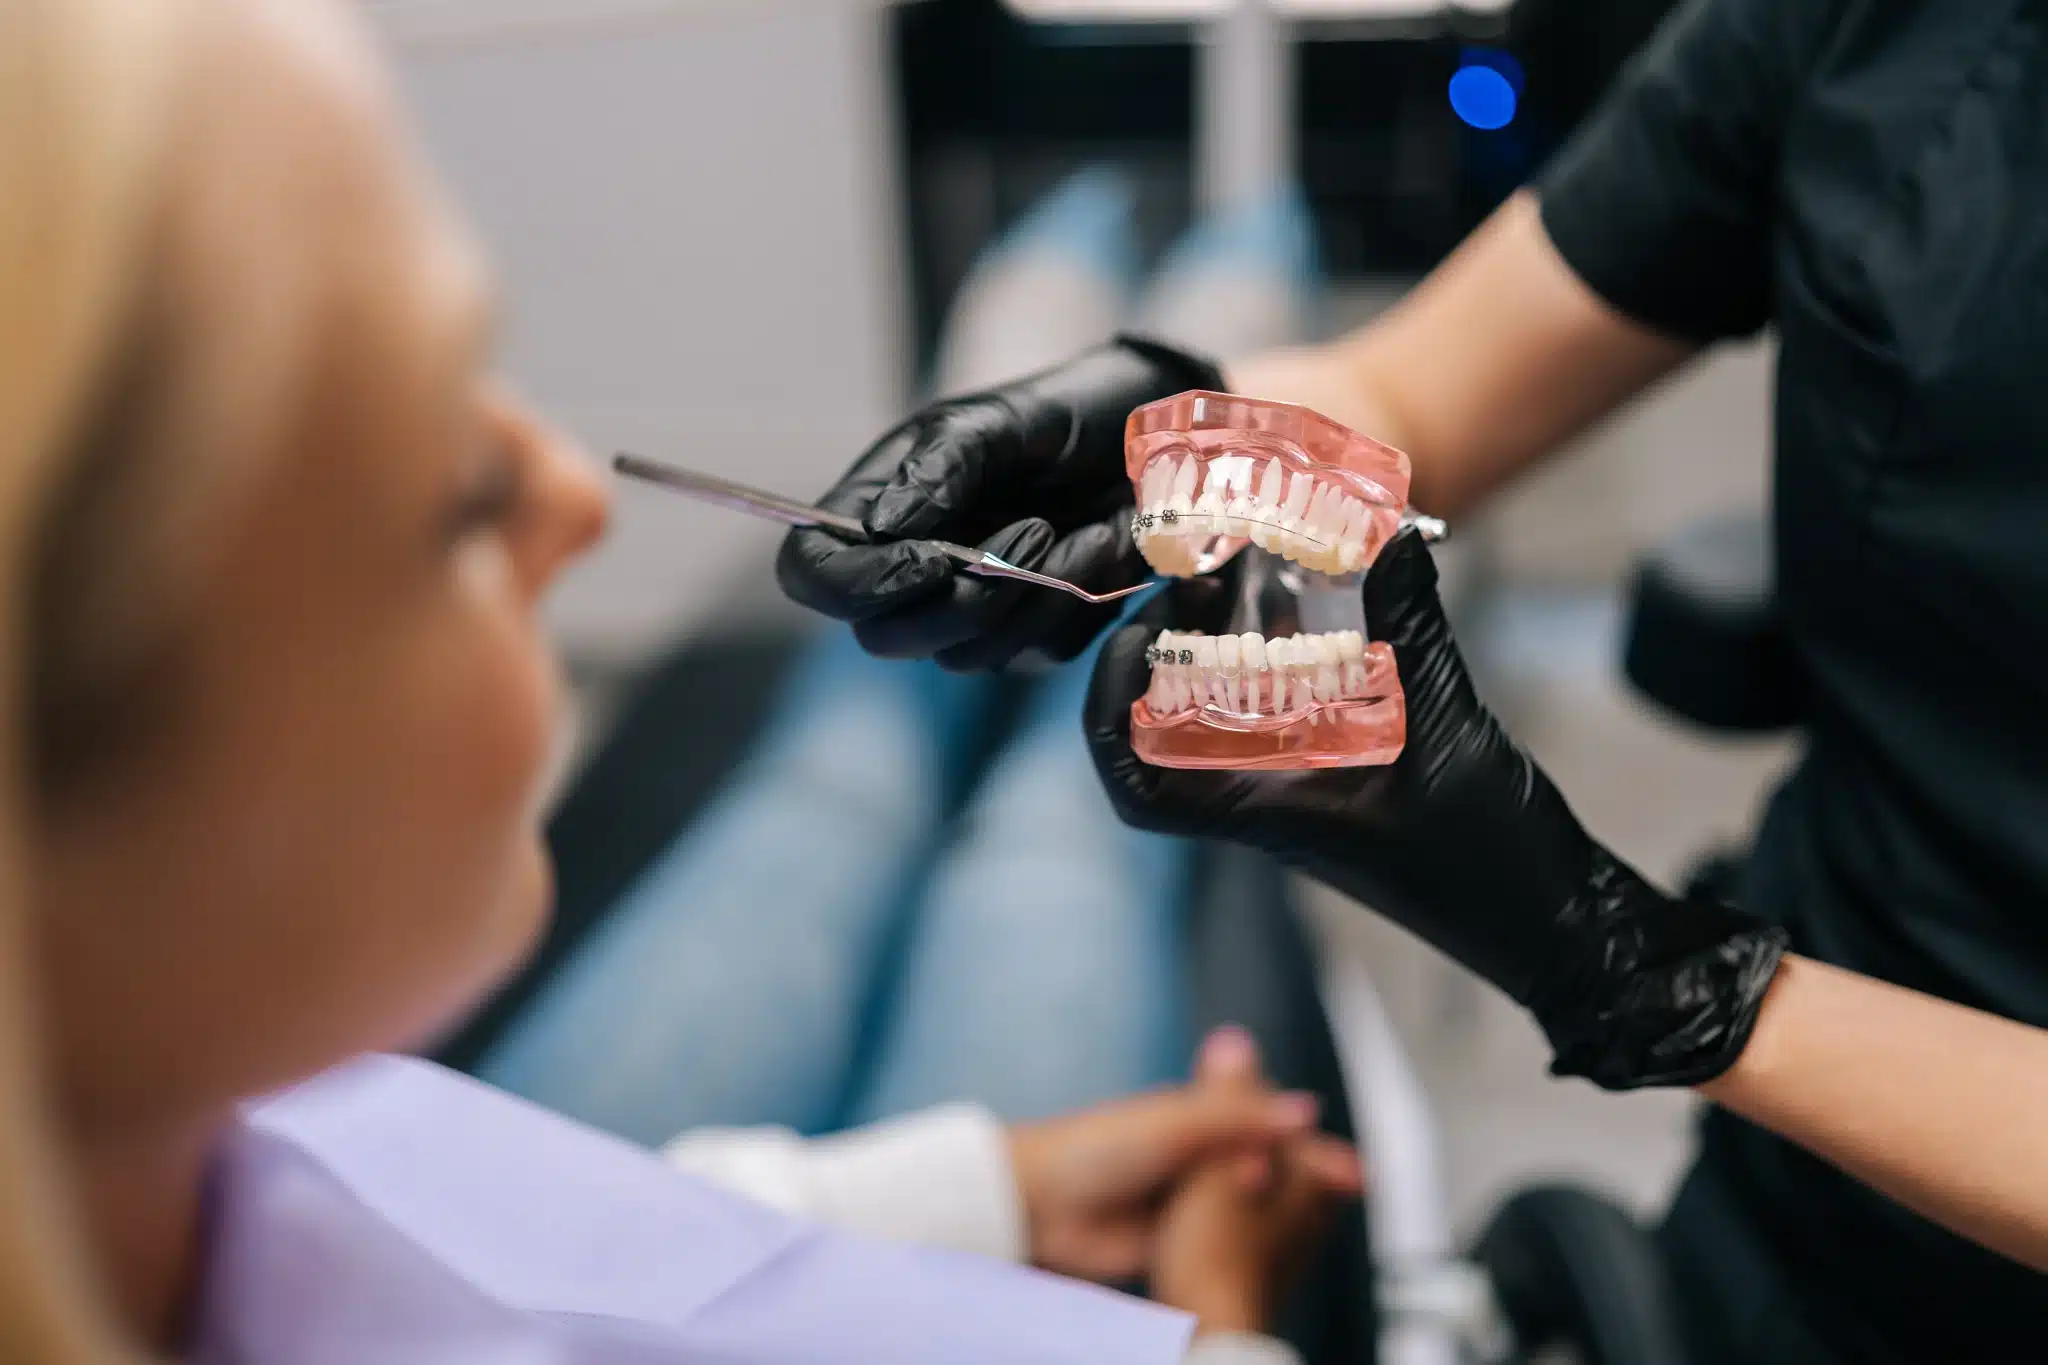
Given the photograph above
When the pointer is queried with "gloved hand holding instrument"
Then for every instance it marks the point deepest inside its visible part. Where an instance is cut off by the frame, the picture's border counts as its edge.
(1032, 471)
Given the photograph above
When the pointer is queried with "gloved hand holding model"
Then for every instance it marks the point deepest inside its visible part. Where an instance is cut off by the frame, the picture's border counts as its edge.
(1464, 841)
(1034, 471)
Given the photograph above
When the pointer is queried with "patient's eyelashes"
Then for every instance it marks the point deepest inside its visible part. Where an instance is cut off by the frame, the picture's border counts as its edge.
(493, 493)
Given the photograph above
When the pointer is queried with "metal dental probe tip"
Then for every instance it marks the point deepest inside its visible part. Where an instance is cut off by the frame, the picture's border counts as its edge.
(738, 497)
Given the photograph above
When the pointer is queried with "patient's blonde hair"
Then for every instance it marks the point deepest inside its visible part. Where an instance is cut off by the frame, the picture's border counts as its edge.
(84, 96)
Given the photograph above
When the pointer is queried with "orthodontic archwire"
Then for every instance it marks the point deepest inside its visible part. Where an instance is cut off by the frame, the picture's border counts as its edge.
(1143, 521)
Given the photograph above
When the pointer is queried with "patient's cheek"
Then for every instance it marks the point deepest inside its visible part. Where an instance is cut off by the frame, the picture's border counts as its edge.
(514, 751)
(511, 710)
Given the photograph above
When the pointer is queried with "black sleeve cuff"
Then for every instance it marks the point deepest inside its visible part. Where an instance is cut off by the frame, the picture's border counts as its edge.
(1665, 201)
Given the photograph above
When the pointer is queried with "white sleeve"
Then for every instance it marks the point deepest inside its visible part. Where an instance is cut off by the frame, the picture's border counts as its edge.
(940, 1177)
(1241, 1348)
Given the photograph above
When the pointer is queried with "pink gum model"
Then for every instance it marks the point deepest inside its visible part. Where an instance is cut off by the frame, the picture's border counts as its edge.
(1214, 473)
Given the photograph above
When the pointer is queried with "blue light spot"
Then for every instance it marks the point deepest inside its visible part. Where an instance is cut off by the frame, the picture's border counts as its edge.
(1482, 97)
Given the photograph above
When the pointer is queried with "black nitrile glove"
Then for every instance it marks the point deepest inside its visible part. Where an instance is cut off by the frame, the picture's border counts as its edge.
(1464, 841)
(1034, 471)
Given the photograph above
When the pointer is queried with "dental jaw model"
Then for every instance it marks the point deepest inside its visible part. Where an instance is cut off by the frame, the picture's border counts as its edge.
(1310, 504)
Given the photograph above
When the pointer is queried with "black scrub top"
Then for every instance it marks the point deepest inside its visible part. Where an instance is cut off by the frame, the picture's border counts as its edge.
(1870, 177)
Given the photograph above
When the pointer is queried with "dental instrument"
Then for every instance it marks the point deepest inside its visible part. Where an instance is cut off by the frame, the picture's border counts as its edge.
(739, 497)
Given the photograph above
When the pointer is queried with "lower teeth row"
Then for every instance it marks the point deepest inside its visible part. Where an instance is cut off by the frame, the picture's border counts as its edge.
(1250, 675)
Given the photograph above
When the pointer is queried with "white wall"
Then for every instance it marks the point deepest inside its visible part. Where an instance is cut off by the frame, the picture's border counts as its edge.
(693, 206)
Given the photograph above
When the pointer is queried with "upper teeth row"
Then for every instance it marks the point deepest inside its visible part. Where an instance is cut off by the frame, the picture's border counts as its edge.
(1249, 674)
(1289, 512)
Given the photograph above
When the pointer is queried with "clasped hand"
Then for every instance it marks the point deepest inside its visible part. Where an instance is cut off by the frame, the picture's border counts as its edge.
(1215, 1191)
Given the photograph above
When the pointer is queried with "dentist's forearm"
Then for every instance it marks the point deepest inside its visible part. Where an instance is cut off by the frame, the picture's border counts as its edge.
(1943, 1108)
(1495, 360)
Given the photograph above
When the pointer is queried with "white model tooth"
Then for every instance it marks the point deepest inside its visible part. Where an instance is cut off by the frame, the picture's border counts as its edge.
(1332, 536)
(1331, 533)
(1280, 655)
(1217, 479)
(1340, 512)
(1209, 658)
(1258, 526)
(1318, 507)
(1156, 482)
(1251, 653)
(1156, 695)
(1328, 683)
(1272, 484)
(1209, 514)
(1237, 515)
(1229, 652)
(1305, 548)
(1300, 487)
(1311, 548)
(1294, 540)
(1350, 521)
(1187, 476)
(1351, 651)
(1173, 517)
(1177, 674)
(1351, 536)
